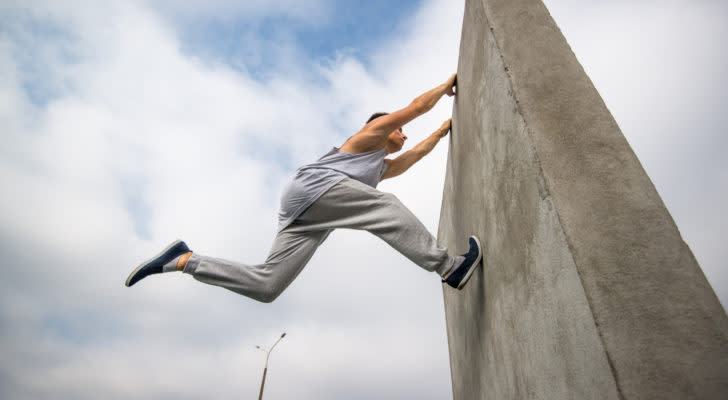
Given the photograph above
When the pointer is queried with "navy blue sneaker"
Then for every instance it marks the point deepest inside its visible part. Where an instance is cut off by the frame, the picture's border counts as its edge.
(154, 266)
(462, 273)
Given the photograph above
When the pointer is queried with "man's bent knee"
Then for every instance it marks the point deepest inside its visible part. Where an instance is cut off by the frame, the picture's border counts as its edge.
(266, 297)
(268, 294)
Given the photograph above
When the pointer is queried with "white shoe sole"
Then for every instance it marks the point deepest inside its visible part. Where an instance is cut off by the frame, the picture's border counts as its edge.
(474, 266)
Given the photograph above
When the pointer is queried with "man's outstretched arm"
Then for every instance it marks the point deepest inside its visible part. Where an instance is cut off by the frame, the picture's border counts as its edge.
(402, 163)
(375, 133)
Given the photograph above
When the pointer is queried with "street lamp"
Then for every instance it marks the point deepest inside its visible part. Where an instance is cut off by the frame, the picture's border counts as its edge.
(265, 370)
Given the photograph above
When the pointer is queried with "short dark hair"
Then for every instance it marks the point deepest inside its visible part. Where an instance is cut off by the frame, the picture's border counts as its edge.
(376, 115)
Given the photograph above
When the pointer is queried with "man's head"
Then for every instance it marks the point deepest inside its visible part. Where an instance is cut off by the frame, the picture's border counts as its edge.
(396, 139)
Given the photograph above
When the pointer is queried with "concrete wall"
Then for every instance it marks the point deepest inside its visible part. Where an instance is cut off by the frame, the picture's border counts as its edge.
(587, 290)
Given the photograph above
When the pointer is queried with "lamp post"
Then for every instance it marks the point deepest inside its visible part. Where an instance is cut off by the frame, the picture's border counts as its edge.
(265, 370)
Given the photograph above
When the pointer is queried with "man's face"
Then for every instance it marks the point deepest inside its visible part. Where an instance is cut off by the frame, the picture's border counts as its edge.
(396, 140)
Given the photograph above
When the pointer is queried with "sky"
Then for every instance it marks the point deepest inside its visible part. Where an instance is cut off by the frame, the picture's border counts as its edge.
(126, 125)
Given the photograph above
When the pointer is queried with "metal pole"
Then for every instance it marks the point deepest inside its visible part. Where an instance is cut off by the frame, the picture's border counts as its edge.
(265, 369)
(260, 396)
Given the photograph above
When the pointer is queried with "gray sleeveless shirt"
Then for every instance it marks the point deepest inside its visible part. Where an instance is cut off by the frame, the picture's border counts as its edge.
(314, 179)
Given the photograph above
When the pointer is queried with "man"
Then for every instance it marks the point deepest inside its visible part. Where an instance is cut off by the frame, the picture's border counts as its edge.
(336, 191)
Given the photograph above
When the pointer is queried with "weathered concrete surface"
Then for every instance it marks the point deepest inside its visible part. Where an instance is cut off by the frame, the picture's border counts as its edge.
(587, 290)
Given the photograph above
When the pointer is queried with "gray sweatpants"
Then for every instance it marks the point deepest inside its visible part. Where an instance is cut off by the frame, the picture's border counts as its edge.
(348, 204)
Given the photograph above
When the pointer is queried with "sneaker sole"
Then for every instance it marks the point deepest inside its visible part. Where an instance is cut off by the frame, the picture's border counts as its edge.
(128, 279)
(476, 263)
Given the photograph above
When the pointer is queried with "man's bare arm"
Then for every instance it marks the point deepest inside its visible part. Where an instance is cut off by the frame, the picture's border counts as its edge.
(375, 133)
(407, 159)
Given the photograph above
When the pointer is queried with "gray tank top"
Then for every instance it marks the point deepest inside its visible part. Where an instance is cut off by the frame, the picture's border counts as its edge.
(314, 179)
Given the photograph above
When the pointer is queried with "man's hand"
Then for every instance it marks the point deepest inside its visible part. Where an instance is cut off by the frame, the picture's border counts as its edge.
(451, 83)
(444, 128)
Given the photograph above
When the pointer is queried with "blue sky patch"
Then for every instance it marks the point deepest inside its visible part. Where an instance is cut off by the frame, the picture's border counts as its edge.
(39, 44)
(261, 47)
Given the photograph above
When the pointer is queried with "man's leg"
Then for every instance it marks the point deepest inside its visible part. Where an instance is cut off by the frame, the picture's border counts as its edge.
(264, 282)
(354, 205)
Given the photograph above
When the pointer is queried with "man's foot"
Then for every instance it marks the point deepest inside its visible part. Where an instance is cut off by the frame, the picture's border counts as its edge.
(156, 265)
(461, 274)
